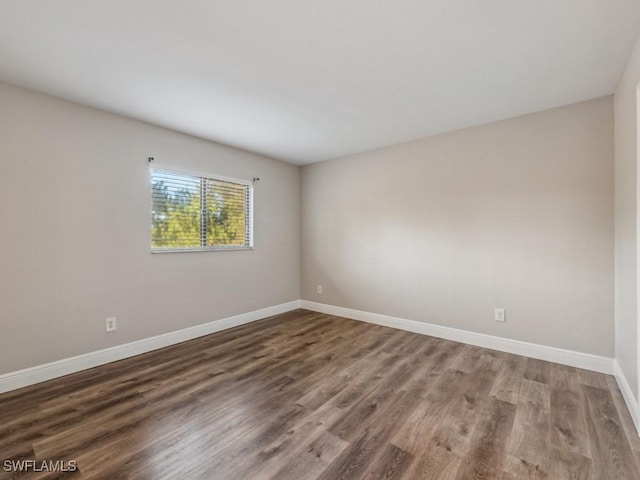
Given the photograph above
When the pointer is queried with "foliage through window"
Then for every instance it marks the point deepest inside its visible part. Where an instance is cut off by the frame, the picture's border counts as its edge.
(199, 213)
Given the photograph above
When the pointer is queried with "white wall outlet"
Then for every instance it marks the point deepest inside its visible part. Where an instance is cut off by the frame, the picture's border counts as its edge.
(500, 315)
(319, 289)
(110, 324)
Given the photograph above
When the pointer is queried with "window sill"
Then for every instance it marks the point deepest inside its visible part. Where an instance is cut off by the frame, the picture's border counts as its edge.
(189, 250)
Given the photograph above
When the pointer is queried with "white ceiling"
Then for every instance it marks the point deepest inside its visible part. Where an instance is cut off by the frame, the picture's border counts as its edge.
(309, 80)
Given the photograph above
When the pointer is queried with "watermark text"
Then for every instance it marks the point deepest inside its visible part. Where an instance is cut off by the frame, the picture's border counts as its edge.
(39, 466)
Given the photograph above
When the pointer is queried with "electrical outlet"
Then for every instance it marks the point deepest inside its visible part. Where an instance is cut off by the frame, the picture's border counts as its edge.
(110, 324)
(500, 315)
(319, 289)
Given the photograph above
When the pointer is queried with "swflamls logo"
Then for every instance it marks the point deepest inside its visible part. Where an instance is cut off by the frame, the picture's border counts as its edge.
(39, 466)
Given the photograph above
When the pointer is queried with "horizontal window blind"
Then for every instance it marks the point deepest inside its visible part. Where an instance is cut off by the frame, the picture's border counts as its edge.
(199, 213)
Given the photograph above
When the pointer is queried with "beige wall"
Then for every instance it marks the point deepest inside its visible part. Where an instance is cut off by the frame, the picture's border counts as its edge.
(515, 214)
(626, 187)
(75, 213)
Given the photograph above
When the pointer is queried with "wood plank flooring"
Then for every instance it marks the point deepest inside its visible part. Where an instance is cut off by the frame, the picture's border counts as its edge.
(311, 396)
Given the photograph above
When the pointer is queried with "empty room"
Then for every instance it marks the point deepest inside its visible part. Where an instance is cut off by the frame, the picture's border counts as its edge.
(291, 240)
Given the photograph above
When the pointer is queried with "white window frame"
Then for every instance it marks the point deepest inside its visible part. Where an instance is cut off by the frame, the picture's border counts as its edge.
(209, 176)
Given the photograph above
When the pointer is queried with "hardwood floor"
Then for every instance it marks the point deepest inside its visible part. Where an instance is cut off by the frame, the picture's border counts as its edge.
(310, 396)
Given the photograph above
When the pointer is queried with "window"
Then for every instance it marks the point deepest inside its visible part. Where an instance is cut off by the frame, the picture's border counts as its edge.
(193, 213)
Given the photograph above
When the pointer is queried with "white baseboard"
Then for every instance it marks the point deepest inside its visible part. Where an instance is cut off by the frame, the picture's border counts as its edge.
(628, 395)
(551, 354)
(48, 371)
(30, 376)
